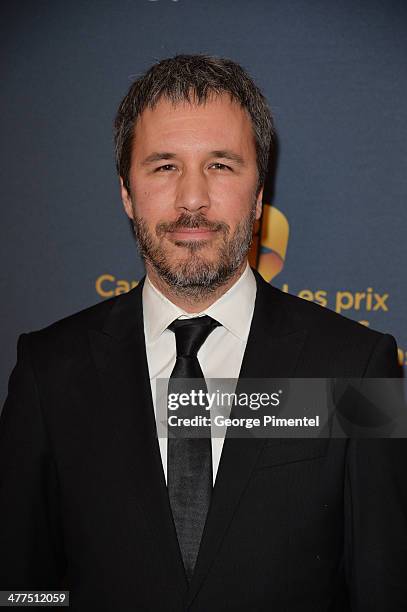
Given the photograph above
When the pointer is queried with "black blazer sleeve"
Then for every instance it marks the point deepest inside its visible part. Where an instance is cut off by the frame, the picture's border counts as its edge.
(376, 509)
(31, 549)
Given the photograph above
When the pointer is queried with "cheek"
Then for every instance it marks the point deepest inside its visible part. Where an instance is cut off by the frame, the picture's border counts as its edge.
(233, 204)
(152, 197)
(144, 202)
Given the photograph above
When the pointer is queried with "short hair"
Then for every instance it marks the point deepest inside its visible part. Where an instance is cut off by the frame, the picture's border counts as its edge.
(193, 78)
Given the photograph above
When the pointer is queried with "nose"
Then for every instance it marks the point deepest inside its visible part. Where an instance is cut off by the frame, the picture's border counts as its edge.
(192, 192)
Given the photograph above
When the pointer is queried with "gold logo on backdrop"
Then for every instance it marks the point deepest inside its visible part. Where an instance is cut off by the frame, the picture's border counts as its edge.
(108, 285)
(270, 242)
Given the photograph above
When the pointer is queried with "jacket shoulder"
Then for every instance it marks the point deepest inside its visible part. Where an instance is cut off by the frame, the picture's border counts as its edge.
(69, 333)
(335, 343)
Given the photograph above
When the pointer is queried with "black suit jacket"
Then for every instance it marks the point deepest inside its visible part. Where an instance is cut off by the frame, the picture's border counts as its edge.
(294, 525)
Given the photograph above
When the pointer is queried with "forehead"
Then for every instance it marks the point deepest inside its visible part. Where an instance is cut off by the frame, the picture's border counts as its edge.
(217, 123)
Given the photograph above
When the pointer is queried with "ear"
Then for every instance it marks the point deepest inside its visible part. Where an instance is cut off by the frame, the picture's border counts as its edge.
(126, 199)
(259, 204)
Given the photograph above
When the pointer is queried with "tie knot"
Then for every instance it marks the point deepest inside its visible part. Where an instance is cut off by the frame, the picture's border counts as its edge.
(190, 334)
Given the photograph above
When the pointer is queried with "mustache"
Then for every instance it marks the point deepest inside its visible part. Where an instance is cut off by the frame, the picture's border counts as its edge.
(191, 222)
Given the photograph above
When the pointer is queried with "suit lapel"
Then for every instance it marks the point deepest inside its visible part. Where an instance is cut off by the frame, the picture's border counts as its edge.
(120, 357)
(272, 351)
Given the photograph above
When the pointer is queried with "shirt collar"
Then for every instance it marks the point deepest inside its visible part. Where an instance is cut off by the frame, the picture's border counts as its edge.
(233, 310)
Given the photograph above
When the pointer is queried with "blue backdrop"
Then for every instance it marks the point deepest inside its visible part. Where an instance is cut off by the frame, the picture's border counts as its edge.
(335, 75)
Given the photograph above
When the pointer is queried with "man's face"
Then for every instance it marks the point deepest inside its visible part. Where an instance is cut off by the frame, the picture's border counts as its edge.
(193, 191)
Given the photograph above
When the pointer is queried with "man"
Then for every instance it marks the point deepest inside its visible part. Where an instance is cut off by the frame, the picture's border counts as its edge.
(90, 499)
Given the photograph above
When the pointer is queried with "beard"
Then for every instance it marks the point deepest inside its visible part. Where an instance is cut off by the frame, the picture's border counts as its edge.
(193, 275)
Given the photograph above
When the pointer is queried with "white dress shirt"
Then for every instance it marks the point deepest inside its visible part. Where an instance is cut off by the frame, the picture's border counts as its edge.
(221, 354)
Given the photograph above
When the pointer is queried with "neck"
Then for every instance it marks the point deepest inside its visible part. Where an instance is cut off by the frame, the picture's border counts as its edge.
(196, 303)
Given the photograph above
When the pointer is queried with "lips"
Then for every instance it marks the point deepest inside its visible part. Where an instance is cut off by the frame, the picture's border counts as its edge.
(189, 233)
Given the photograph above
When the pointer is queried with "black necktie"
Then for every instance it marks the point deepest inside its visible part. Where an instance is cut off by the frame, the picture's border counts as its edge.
(189, 460)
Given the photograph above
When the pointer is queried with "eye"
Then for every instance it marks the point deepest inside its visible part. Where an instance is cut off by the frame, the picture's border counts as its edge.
(165, 168)
(219, 166)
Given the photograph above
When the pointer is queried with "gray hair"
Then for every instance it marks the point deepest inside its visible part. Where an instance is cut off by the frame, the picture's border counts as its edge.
(193, 78)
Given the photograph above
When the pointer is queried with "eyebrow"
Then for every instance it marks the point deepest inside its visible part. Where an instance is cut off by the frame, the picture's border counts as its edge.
(158, 156)
(165, 155)
(225, 154)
